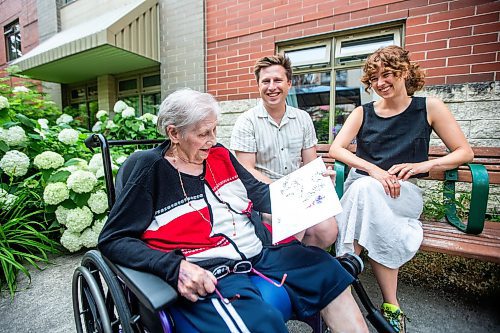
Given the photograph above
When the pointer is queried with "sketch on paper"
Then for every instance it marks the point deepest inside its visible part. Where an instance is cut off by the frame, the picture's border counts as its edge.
(302, 199)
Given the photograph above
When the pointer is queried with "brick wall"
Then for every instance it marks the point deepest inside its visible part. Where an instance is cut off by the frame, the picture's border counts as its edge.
(455, 41)
(25, 11)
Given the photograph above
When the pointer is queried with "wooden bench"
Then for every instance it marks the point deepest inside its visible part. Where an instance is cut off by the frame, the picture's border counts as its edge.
(477, 238)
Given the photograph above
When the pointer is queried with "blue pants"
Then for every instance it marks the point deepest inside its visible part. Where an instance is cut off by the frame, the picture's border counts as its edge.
(314, 279)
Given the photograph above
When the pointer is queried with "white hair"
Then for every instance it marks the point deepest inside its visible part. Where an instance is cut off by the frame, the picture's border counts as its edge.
(185, 108)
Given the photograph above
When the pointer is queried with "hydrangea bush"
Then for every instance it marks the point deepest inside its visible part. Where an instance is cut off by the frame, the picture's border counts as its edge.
(45, 158)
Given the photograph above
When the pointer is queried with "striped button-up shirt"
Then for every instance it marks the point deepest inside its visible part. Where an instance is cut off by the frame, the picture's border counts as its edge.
(277, 147)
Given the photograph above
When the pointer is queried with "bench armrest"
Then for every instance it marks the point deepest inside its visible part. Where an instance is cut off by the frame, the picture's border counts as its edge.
(341, 171)
(152, 291)
(478, 202)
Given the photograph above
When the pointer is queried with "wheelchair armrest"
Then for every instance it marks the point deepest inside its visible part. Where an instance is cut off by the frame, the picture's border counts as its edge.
(150, 289)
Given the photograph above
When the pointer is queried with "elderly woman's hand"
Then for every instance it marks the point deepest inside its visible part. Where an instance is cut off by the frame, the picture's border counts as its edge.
(195, 282)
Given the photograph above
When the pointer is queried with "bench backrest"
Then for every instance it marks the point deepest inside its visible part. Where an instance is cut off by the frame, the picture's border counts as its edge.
(487, 156)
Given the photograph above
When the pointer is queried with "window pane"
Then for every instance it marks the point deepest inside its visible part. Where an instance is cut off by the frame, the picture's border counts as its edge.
(349, 94)
(365, 45)
(78, 93)
(132, 101)
(151, 81)
(92, 92)
(127, 85)
(12, 33)
(309, 56)
(151, 103)
(311, 93)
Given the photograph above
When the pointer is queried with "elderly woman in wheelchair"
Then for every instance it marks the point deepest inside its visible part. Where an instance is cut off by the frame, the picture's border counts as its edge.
(186, 211)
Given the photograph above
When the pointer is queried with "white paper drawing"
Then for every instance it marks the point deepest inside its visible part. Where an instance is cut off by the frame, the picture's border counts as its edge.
(302, 199)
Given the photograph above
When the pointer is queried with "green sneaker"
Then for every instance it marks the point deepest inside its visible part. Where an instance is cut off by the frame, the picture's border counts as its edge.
(394, 316)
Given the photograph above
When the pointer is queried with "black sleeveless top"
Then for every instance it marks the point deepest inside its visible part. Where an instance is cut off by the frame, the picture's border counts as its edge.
(403, 138)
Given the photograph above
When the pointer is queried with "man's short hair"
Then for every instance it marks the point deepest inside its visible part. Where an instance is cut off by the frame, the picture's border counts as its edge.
(277, 59)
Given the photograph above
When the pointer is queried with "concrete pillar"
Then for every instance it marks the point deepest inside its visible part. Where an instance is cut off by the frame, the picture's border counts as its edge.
(182, 45)
(106, 90)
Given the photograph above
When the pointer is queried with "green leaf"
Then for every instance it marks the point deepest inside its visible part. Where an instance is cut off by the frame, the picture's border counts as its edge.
(68, 204)
(46, 174)
(4, 116)
(4, 147)
(59, 176)
(73, 161)
(79, 198)
(25, 120)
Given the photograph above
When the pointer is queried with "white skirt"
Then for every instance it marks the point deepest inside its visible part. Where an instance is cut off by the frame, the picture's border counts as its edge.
(387, 228)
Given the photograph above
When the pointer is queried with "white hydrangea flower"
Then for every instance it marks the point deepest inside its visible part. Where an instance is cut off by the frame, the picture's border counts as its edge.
(15, 163)
(95, 163)
(120, 106)
(147, 117)
(61, 213)
(71, 241)
(68, 136)
(64, 119)
(14, 136)
(48, 160)
(121, 159)
(99, 224)
(81, 181)
(55, 193)
(77, 164)
(77, 219)
(111, 124)
(129, 112)
(44, 123)
(19, 89)
(101, 113)
(98, 202)
(4, 102)
(89, 238)
(42, 134)
(6, 199)
(99, 173)
(141, 127)
(97, 126)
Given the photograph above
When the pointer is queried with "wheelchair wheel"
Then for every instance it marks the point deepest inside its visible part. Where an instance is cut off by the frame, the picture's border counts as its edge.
(111, 291)
(90, 304)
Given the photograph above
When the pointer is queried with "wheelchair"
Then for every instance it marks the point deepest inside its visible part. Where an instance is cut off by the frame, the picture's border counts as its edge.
(112, 298)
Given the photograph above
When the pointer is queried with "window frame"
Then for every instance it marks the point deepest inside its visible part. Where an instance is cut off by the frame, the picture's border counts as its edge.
(9, 30)
(140, 91)
(335, 39)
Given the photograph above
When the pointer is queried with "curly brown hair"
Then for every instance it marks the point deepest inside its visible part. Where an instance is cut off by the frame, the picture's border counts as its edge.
(277, 59)
(395, 59)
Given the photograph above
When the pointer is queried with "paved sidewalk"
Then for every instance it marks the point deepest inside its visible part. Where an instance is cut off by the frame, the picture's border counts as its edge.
(46, 306)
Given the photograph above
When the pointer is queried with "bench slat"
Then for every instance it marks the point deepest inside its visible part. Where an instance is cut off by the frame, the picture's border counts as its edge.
(442, 237)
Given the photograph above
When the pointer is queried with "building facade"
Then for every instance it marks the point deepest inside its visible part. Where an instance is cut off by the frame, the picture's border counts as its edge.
(90, 53)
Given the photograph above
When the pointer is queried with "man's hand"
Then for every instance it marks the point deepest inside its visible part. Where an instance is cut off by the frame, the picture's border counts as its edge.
(195, 282)
(330, 173)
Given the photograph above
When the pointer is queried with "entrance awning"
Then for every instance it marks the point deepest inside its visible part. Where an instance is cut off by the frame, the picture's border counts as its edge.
(122, 40)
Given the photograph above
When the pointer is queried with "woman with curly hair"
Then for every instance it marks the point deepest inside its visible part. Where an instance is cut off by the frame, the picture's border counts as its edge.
(382, 202)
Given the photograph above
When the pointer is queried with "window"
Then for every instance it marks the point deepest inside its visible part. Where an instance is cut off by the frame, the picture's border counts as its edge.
(318, 72)
(12, 33)
(83, 103)
(141, 92)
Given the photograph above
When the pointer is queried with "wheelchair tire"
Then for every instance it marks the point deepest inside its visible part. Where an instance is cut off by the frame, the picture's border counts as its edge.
(89, 302)
(115, 301)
